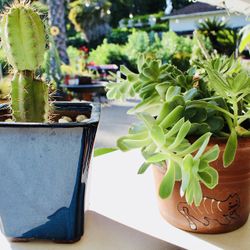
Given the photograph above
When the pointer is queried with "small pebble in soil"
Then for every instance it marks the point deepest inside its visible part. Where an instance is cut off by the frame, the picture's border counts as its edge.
(66, 118)
(81, 118)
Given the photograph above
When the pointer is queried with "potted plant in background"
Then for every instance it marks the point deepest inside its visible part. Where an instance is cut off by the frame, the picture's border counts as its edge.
(194, 129)
(45, 147)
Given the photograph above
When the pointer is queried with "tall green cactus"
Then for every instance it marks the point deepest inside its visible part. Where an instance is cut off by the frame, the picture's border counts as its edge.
(24, 42)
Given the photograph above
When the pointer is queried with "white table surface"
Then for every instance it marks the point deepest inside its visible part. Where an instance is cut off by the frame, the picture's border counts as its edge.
(123, 215)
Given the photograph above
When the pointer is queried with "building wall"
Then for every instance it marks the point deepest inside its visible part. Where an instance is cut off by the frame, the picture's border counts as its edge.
(189, 23)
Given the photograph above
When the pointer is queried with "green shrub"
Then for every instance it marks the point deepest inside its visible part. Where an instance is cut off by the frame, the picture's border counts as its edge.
(181, 60)
(119, 58)
(109, 53)
(76, 41)
(119, 36)
(169, 48)
(162, 27)
(138, 42)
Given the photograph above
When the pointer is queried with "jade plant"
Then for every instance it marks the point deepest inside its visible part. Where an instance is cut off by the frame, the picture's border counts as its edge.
(179, 113)
(23, 39)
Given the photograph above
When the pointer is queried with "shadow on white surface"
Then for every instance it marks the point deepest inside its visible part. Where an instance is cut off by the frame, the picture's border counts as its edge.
(101, 234)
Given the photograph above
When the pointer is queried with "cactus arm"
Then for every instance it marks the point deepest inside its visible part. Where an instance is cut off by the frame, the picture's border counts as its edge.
(24, 38)
(34, 98)
(38, 28)
(24, 42)
(4, 41)
(17, 108)
(29, 98)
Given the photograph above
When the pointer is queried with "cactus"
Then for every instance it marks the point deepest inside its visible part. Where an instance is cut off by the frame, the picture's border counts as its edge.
(24, 42)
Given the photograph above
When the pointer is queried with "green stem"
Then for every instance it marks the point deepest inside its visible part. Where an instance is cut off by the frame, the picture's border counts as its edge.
(235, 110)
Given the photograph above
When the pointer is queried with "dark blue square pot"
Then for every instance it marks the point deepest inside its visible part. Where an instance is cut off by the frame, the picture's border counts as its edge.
(43, 175)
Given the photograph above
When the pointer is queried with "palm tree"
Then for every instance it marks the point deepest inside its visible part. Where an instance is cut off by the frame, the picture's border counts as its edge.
(222, 37)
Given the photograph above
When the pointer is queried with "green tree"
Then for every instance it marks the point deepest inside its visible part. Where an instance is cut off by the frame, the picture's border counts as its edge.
(91, 18)
(122, 8)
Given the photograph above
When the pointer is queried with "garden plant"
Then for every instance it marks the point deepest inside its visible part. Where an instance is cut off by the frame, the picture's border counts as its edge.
(179, 113)
(24, 42)
(46, 145)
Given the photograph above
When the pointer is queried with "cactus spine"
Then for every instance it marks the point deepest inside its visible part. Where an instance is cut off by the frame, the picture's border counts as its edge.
(24, 42)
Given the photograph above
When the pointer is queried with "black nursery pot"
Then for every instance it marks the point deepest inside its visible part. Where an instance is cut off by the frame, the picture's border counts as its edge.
(43, 175)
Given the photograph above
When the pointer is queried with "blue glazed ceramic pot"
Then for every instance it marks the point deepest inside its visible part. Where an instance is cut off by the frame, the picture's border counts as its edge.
(43, 175)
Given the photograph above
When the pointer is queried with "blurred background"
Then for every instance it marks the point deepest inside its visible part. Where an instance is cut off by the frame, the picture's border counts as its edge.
(90, 38)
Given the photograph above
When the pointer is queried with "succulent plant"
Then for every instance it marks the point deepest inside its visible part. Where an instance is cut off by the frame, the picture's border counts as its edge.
(178, 113)
(24, 42)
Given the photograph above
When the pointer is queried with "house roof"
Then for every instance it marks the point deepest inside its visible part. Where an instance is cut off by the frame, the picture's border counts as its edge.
(240, 6)
(194, 8)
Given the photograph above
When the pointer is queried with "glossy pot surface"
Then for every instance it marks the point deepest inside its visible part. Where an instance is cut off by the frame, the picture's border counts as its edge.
(43, 175)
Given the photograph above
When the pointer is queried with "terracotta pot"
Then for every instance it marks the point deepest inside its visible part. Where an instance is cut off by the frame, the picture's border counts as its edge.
(224, 208)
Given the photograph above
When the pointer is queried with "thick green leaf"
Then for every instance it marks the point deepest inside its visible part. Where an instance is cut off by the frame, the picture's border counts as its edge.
(218, 83)
(204, 104)
(172, 92)
(185, 171)
(189, 194)
(148, 150)
(240, 82)
(175, 129)
(157, 135)
(125, 71)
(137, 128)
(102, 151)
(140, 61)
(165, 110)
(199, 129)
(158, 157)
(196, 114)
(203, 146)
(210, 177)
(144, 105)
(196, 145)
(148, 120)
(197, 192)
(181, 135)
(127, 143)
(191, 94)
(162, 89)
(212, 154)
(245, 40)
(173, 117)
(143, 168)
(216, 123)
(168, 181)
(230, 150)
(178, 175)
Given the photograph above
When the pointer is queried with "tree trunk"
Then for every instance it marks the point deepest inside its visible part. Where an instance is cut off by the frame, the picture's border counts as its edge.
(57, 19)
